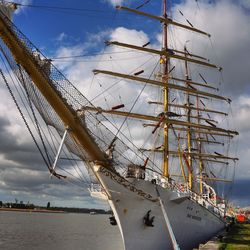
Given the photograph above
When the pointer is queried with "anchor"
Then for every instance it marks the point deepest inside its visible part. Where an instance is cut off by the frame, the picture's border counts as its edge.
(148, 221)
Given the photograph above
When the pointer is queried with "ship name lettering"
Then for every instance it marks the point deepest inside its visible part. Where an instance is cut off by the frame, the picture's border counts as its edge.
(125, 183)
(194, 217)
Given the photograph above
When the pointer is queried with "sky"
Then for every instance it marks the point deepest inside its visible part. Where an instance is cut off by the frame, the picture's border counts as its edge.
(83, 30)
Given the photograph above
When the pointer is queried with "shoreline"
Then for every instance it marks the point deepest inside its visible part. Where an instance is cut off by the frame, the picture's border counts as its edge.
(30, 210)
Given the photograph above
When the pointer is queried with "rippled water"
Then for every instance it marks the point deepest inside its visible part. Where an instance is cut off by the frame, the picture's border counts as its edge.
(38, 231)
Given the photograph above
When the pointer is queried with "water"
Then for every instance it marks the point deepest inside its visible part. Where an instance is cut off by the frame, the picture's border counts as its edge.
(29, 231)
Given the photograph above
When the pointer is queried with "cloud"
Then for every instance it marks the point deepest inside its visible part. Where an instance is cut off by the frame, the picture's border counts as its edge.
(62, 36)
(242, 114)
(230, 39)
(24, 2)
(245, 3)
(115, 2)
(21, 8)
(124, 35)
(240, 192)
(230, 44)
(79, 70)
(23, 173)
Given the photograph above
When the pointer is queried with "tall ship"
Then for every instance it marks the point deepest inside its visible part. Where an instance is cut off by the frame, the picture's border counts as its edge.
(153, 141)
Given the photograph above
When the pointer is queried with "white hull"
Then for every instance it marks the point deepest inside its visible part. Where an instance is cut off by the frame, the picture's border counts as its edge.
(191, 223)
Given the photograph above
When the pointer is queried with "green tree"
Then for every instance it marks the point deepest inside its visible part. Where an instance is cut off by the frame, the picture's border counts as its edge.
(48, 205)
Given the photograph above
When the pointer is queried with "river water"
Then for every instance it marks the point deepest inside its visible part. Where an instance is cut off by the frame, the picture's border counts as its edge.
(44, 231)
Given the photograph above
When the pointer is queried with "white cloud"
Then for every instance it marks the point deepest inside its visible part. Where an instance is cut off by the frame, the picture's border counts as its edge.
(129, 36)
(81, 72)
(227, 24)
(242, 114)
(62, 36)
(20, 7)
(115, 2)
(24, 2)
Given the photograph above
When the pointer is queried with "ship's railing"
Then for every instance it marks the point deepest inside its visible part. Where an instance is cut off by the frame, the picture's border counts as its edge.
(203, 200)
(97, 191)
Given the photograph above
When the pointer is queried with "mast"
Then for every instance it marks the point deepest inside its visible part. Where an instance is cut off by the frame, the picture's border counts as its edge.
(75, 117)
(199, 142)
(189, 134)
(166, 94)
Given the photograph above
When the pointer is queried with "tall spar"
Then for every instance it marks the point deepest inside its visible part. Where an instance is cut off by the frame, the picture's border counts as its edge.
(188, 112)
(186, 86)
(134, 198)
(166, 94)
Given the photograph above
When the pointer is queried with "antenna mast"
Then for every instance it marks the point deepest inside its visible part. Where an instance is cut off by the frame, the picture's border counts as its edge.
(166, 94)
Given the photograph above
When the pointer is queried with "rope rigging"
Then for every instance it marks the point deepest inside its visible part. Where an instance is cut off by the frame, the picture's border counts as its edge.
(90, 13)
(73, 97)
(24, 119)
(135, 101)
(143, 4)
(41, 133)
(34, 116)
(97, 53)
(59, 7)
(77, 102)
